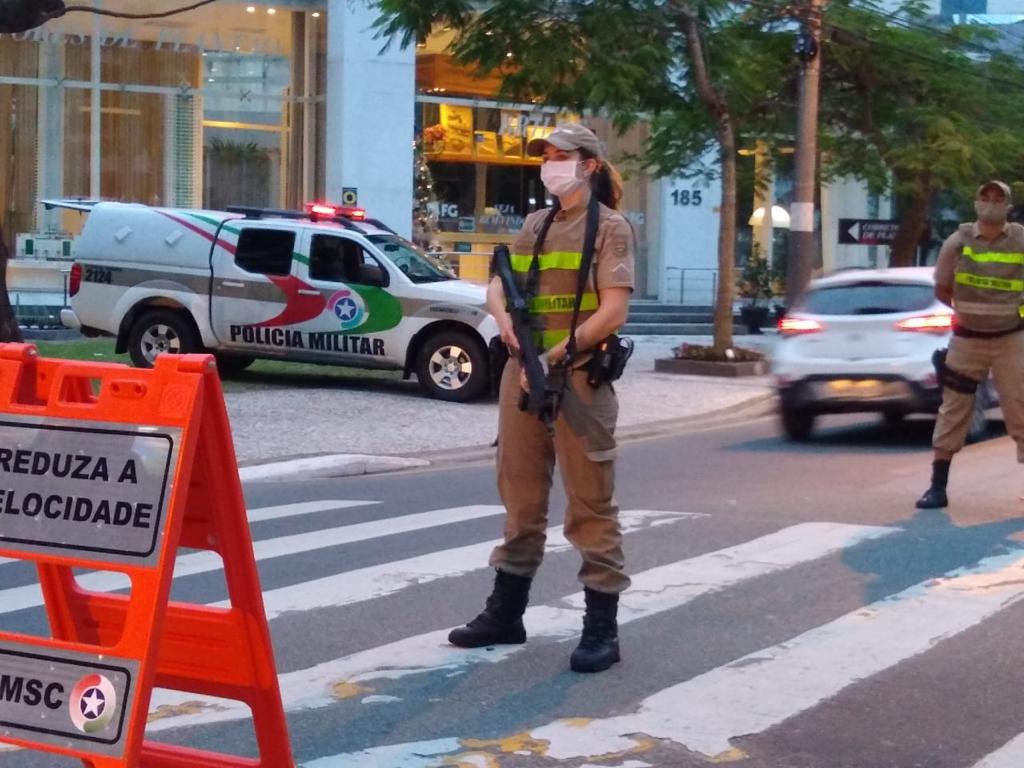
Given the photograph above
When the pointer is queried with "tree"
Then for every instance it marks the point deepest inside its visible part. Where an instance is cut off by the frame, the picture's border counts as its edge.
(9, 330)
(916, 110)
(703, 74)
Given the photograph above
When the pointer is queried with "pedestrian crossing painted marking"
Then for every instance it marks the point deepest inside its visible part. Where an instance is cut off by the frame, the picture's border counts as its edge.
(764, 688)
(284, 511)
(1010, 755)
(30, 596)
(654, 591)
(387, 578)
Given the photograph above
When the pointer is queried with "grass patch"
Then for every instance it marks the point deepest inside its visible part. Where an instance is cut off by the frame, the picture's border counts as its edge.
(261, 374)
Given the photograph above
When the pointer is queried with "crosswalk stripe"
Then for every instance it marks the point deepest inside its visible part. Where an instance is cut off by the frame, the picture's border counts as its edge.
(1010, 755)
(764, 688)
(284, 511)
(377, 581)
(30, 596)
(280, 512)
(659, 589)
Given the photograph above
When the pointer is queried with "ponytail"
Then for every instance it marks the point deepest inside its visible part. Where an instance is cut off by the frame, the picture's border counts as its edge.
(606, 183)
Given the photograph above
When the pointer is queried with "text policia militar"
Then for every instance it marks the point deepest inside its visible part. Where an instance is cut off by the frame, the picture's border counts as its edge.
(322, 341)
(69, 507)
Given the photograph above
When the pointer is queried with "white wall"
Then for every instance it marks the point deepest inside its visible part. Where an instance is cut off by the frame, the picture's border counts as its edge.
(688, 237)
(848, 199)
(370, 103)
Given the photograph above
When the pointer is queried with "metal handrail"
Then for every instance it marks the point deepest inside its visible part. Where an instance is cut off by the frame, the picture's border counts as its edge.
(695, 274)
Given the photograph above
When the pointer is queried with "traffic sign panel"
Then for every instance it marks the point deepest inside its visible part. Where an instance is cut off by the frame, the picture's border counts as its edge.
(96, 490)
(868, 231)
(62, 697)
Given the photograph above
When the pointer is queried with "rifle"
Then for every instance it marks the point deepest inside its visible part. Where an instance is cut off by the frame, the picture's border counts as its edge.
(545, 395)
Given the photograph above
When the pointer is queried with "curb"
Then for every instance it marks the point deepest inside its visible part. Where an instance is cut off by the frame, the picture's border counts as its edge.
(336, 465)
(347, 465)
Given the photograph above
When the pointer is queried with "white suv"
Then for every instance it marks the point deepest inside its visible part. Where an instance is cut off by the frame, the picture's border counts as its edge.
(862, 341)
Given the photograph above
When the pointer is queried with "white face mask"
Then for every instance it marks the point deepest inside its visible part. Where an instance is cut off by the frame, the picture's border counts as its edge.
(994, 213)
(561, 177)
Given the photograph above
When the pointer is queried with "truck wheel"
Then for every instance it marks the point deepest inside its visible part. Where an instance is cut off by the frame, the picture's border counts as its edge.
(229, 365)
(797, 423)
(452, 365)
(160, 331)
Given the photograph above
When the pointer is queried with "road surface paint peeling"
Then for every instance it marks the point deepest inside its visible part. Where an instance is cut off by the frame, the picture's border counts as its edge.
(519, 743)
(185, 708)
(657, 590)
(343, 691)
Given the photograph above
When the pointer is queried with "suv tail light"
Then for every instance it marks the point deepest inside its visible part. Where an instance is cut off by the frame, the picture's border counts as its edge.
(937, 322)
(790, 325)
(75, 279)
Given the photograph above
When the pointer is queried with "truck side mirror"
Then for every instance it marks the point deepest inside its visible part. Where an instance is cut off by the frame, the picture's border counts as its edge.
(371, 274)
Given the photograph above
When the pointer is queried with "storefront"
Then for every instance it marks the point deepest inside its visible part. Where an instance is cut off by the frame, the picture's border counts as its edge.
(223, 105)
(231, 104)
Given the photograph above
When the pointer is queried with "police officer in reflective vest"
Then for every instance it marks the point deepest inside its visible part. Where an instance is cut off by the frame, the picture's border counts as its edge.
(980, 273)
(581, 439)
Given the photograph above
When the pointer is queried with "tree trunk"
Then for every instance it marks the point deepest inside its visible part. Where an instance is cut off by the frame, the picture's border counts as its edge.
(9, 330)
(913, 219)
(719, 111)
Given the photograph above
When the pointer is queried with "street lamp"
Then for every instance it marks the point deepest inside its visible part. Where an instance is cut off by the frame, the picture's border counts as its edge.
(780, 218)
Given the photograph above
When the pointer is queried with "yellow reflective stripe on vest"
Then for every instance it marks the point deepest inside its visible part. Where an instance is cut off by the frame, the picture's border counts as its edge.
(562, 303)
(553, 260)
(995, 283)
(993, 257)
(549, 339)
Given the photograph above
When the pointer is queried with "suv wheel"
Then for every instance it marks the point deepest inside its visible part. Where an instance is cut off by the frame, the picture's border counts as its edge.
(797, 423)
(452, 365)
(160, 331)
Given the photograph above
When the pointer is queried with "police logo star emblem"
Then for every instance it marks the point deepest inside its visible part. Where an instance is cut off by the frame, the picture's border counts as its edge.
(348, 307)
(92, 704)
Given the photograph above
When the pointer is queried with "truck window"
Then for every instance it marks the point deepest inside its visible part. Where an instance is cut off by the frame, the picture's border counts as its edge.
(340, 260)
(265, 251)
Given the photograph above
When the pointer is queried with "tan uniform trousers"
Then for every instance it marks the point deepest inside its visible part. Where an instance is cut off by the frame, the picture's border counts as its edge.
(1004, 356)
(527, 455)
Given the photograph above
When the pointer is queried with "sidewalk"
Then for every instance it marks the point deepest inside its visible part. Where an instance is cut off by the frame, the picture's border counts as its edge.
(335, 432)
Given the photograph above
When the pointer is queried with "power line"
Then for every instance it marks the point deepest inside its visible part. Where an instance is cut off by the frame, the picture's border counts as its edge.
(927, 59)
(121, 15)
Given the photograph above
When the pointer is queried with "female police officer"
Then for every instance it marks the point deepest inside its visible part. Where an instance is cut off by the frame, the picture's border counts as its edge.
(574, 170)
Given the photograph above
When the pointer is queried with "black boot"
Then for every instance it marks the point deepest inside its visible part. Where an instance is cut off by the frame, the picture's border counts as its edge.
(935, 496)
(599, 644)
(501, 623)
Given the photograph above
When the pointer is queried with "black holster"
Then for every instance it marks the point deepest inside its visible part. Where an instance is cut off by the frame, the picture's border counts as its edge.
(609, 360)
(955, 380)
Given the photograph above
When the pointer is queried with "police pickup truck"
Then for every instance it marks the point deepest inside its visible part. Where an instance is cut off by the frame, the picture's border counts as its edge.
(324, 285)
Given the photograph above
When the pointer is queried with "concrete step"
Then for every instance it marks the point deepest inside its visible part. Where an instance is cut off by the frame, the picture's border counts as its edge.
(652, 307)
(667, 317)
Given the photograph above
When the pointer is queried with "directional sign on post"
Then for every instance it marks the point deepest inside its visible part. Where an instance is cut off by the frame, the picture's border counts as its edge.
(867, 231)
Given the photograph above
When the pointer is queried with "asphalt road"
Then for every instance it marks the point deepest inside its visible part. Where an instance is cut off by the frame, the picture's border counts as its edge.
(790, 609)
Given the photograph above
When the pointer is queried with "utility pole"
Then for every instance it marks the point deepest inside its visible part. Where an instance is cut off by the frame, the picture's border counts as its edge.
(801, 226)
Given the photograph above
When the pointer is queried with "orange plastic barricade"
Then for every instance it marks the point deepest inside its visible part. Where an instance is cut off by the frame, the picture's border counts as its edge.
(108, 467)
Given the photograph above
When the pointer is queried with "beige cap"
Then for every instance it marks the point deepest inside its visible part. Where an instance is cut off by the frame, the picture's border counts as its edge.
(569, 136)
(1000, 185)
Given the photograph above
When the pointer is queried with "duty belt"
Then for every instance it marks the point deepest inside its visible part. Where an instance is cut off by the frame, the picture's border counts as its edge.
(967, 333)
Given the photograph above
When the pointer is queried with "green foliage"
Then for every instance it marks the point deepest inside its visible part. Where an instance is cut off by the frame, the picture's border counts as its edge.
(914, 108)
(756, 282)
(625, 58)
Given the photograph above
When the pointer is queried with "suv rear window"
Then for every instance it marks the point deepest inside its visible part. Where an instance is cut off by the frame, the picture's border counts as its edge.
(868, 298)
